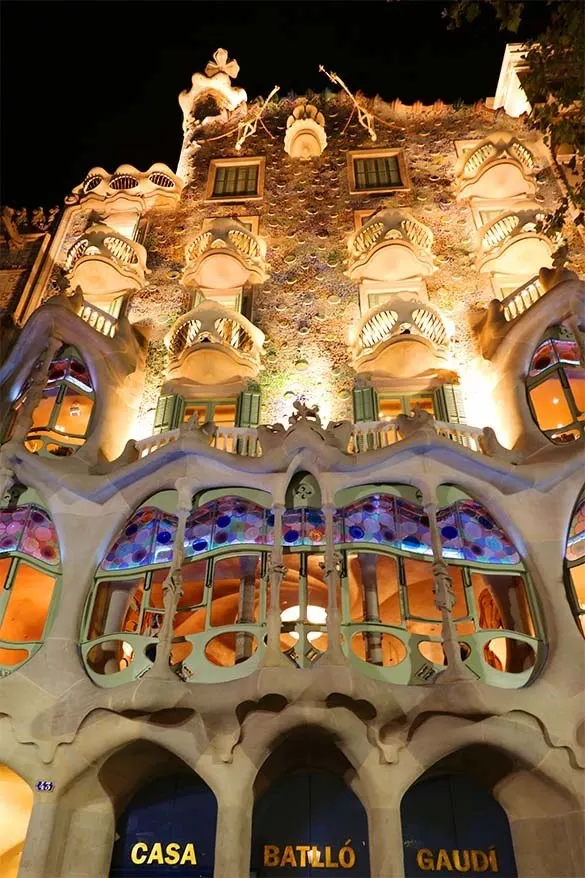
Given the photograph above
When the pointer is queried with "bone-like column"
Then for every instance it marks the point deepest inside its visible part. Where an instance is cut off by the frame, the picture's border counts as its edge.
(368, 567)
(333, 580)
(246, 600)
(456, 670)
(34, 394)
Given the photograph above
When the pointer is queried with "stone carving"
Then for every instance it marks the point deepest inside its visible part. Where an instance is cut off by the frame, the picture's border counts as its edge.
(492, 448)
(418, 420)
(216, 83)
(158, 185)
(306, 420)
(305, 135)
(201, 432)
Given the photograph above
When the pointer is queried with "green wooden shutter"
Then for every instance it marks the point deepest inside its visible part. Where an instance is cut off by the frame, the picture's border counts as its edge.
(365, 404)
(448, 403)
(169, 412)
(248, 409)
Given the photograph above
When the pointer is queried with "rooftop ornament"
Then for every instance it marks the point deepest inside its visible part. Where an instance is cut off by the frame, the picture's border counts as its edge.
(216, 84)
(305, 135)
(365, 118)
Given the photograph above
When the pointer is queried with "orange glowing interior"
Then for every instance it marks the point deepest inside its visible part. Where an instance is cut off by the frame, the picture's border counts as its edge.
(16, 801)
(28, 605)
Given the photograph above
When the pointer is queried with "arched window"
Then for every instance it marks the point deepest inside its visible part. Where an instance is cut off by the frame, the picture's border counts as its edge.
(575, 563)
(221, 613)
(29, 575)
(390, 621)
(60, 422)
(556, 386)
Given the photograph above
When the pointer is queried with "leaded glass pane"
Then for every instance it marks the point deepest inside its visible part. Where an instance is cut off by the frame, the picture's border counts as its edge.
(483, 539)
(576, 538)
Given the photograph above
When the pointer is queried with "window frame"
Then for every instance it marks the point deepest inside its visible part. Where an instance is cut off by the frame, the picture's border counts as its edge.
(405, 182)
(214, 164)
(558, 370)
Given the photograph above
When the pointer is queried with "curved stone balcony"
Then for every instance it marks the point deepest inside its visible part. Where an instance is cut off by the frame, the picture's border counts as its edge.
(499, 167)
(390, 246)
(213, 345)
(401, 338)
(225, 256)
(511, 244)
(157, 186)
(103, 261)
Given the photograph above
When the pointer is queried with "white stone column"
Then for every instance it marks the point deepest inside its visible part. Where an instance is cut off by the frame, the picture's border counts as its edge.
(333, 580)
(89, 842)
(368, 567)
(39, 837)
(173, 585)
(385, 840)
(235, 807)
(456, 671)
(247, 593)
(273, 655)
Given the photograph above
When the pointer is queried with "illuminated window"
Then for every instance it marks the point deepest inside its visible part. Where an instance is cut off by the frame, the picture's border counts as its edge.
(556, 386)
(575, 564)
(29, 572)
(60, 422)
(235, 179)
(221, 412)
(391, 406)
(372, 171)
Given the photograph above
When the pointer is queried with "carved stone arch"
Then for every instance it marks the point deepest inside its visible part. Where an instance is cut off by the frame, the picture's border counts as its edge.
(303, 491)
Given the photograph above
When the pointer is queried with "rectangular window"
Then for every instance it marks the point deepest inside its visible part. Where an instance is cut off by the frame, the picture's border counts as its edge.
(391, 406)
(374, 171)
(235, 179)
(223, 412)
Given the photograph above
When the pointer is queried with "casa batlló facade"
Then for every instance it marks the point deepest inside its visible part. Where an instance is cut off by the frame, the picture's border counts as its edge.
(292, 531)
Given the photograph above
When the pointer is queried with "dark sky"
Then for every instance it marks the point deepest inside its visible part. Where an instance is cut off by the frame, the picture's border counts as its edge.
(95, 83)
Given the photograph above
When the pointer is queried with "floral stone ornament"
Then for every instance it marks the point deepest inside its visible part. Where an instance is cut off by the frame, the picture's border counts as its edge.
(305, 135)
(216, 85)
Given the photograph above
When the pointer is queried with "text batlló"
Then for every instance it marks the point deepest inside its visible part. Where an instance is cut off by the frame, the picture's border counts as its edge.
(458, 861)
(309, 855)
(171, 854)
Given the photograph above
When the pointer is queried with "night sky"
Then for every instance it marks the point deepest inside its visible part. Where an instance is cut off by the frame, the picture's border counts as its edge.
(96, 83)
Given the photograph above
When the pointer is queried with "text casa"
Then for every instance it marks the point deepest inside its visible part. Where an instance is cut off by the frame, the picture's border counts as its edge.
(171, 854)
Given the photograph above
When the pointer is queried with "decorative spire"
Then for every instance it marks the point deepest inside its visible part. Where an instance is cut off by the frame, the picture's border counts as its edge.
(220, 64)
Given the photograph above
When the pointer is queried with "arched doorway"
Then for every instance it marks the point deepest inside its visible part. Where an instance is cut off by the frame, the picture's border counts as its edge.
(307, 820)
(167, 826)
(16, 801)
(451, 823)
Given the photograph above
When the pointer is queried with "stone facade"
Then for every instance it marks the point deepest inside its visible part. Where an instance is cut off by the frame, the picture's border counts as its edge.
(327, 374)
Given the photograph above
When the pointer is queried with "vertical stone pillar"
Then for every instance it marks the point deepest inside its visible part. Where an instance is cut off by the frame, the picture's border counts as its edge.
(39, 837)
(367, 562)
(89, 842)
(456, 670)
(234, 832)
(173, 585)
(333, 580)
(34, 393)
(385, 837)
(247, 594)
(277, 570)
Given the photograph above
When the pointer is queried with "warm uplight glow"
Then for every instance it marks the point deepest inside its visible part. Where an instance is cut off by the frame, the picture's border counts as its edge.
(315, 616)
(16, 801)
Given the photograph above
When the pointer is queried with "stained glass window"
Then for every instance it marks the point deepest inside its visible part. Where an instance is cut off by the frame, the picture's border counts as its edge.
(483, 539)
(576, 538)
(30, 530)
(147, 539)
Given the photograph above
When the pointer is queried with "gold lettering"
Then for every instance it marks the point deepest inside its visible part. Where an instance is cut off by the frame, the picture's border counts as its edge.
(457, 860)
(346, 856)
(475, 863)
(493, 860)
(189, 855)
(423, 862)
(302, 850)
(328, 863)
(288, 857)
(134, 853)
(173, 853)
(316, 858)
(443, 861)
(271, 855)
(156, 854)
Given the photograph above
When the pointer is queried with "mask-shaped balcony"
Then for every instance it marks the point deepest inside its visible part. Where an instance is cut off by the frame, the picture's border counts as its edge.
(103, 261)
(499, 167)
(511, 244)
(390, 246)
(402, 339)
(225, 256)
(213, 345)
(156, 187)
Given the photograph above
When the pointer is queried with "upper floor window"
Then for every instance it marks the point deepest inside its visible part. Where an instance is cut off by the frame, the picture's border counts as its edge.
(575, 563)
(29, 572)
(372, 171)
(61, 420)
(235, 179)
(556, 386)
